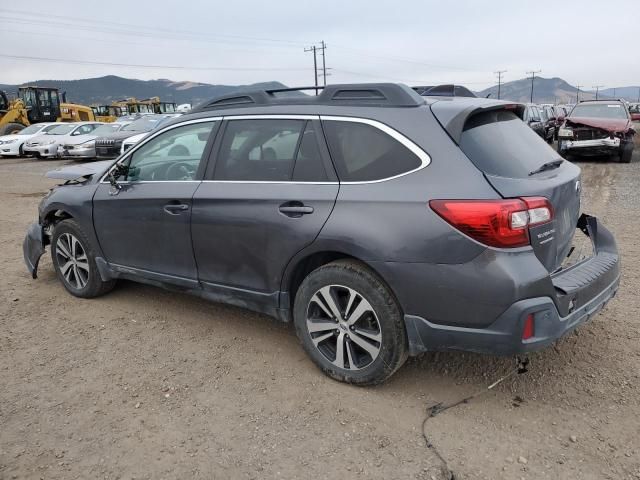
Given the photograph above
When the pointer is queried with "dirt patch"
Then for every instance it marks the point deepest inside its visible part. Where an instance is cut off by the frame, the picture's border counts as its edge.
(144, 383)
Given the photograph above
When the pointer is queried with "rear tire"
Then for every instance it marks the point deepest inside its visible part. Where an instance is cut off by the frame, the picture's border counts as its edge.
(73, 259)
(344, 306)
(10, 128)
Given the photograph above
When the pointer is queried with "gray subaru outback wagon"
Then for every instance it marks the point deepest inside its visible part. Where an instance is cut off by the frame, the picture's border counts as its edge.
(380, 222)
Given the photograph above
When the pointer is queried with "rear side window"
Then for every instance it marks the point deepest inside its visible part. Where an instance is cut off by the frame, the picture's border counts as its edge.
(362, 152)
(499, 143)
(269, 150)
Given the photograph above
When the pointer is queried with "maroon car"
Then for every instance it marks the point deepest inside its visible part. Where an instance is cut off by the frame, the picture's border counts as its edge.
(597, 127)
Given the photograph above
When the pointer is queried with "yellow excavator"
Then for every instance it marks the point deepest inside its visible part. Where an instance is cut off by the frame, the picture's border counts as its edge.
(39, 104)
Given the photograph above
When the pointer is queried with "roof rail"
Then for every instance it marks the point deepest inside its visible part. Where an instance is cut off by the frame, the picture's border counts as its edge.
(358, 94)
(446, 90)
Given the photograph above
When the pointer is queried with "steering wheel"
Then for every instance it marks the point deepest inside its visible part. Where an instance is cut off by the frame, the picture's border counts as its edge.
(180, 171)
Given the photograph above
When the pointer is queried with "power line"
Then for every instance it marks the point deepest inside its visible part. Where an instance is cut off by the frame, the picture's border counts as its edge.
(533, 75)
(133, 29)
(499, 73)
(578, 93)
(181, 67)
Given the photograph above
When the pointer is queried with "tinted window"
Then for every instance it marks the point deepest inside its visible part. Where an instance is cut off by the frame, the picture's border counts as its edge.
(309, 166)
(363, 152)
(268, 150)
(172, 155)
(499, 143)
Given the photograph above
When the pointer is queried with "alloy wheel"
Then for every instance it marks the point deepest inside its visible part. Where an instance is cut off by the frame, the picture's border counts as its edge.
(72, 261)
(344, 327)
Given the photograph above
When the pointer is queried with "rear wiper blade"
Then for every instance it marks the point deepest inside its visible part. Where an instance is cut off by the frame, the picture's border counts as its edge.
(547, 166)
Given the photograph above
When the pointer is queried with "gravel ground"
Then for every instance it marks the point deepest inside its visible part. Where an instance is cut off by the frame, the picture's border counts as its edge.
(144, 383)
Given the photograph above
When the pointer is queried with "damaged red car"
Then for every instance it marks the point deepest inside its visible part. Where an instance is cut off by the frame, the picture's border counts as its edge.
(597, 127)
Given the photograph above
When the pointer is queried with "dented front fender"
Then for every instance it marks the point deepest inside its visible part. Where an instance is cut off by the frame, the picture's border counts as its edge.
(33, 248)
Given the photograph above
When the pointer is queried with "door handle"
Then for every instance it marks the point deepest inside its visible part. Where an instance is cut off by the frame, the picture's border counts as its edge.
(175, 208)
(295, 209)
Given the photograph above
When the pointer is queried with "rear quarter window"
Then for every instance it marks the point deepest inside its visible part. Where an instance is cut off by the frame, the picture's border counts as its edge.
(362, 152)
(499, 143)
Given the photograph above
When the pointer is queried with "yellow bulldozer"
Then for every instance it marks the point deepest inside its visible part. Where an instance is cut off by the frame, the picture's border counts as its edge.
(131, 106)
(107, 113)
(39, 104)
(159, 106)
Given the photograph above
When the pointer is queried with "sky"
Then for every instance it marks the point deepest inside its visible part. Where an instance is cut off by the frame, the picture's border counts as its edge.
(246, 41)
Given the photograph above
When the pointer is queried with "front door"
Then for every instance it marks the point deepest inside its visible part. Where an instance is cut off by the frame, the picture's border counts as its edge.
(268, 196)
(145, 225)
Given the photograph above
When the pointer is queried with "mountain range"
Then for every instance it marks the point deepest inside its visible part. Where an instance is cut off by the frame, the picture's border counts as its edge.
(554, 90)
(104, 90)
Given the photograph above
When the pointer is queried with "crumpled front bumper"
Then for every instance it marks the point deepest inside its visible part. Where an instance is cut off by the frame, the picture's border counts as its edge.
(42, 150)
(33, 248)
(581, 291)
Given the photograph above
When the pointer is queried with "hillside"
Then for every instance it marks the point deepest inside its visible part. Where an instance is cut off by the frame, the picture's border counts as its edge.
(103, 90)
(545, 90)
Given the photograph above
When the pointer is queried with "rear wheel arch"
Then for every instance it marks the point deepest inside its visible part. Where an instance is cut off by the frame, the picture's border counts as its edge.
(302, 267)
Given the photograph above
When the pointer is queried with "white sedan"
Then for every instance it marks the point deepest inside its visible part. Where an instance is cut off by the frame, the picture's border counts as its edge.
(12, 145)
(46, 146)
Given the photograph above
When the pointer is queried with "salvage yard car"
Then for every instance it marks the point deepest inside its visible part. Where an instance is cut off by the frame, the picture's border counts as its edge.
(597, 127)
(46, 145)
(84, 146)
(13, 145)
(109, 146)
(381, 223)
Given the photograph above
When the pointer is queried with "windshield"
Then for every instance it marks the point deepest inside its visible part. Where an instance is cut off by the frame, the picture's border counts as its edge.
(599, 110)
(106, 129)
(30, 130)
(499, 143)
(144, 124)
(61, 129)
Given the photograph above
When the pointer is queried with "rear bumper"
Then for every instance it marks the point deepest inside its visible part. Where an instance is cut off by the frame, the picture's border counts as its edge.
(581, 291)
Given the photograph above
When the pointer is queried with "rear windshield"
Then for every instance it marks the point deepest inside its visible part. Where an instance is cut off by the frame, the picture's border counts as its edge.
(499, 143)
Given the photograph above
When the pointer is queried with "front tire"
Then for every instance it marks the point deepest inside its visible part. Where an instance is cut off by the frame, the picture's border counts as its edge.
(626, 152)
(350, 323)
(73, 258)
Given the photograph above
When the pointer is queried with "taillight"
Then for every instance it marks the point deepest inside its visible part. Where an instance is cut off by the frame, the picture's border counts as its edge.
(497, 223)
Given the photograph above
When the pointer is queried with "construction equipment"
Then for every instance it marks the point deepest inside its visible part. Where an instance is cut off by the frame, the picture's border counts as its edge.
(107, 113)
(39, 104)
(131, 105)
(159, 106)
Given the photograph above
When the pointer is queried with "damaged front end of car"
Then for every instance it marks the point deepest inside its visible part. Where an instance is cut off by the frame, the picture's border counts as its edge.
(593, 138)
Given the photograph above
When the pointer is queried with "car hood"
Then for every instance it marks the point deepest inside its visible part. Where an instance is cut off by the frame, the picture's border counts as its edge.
(79, 139)
(137, 138)
(119, 135)
(5, 138)
(85, 170)
(608, 124)
(39, 139)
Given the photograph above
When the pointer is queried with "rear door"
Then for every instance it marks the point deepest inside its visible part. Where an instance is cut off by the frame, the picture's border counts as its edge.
(266, 196)
(508, 153)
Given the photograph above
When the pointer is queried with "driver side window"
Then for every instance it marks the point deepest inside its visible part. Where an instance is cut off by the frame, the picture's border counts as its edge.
(172, 156)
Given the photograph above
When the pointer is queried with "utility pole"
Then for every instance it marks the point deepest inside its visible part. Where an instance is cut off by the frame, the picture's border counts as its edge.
(533, 75)
(638, 94)
(315, 65)
(499, 73)
(324, 64)
(597, 87)
(578, 93)
(614, 92)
